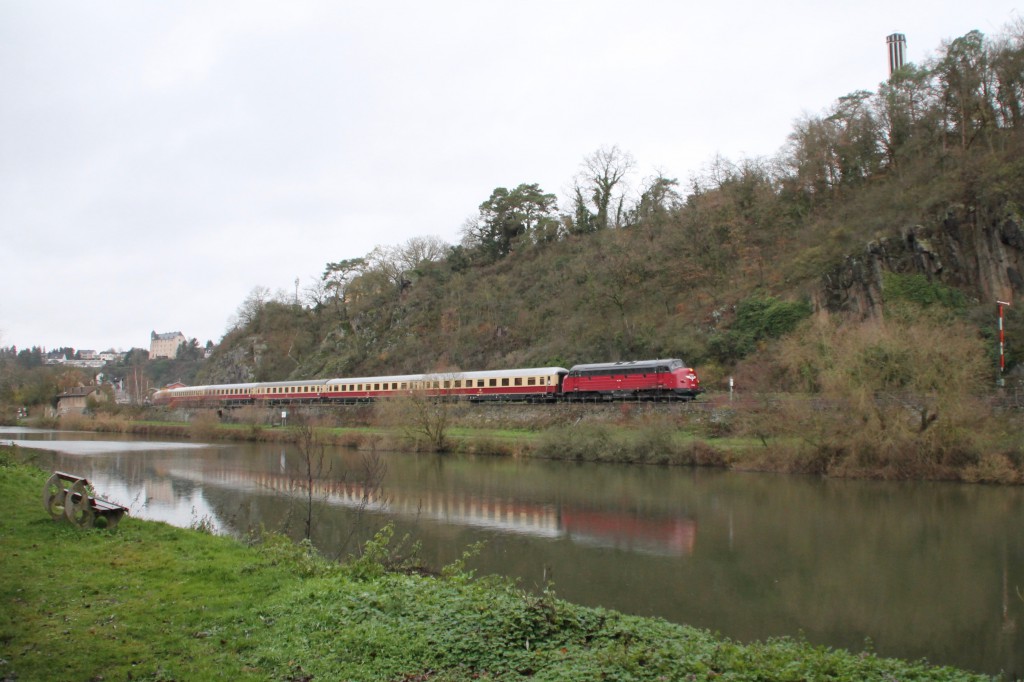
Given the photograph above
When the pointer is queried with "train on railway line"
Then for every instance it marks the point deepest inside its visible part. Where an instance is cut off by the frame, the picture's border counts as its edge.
(665, 379)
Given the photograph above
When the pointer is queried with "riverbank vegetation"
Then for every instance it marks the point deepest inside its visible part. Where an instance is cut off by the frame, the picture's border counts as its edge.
(152, 602)
(842, 431)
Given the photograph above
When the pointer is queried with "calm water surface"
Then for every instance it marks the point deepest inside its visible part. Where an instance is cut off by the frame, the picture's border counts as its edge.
(917, 570)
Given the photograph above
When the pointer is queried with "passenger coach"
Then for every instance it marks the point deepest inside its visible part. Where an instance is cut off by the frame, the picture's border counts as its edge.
(537, 384)
(226, 395)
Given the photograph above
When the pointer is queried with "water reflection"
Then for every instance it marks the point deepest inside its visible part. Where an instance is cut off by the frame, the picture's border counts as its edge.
(922, 570)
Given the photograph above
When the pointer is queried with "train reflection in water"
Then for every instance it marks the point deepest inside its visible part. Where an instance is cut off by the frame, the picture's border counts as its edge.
(616, 528)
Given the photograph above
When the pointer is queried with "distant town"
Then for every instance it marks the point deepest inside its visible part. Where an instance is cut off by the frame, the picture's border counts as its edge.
(116, 376)
(160, 346)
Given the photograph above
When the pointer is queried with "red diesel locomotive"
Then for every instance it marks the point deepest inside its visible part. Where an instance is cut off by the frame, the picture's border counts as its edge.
(634, 380)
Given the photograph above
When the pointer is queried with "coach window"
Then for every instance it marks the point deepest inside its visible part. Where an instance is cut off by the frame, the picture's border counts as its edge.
(458, 383)
(492, 382)
(447, 383)
(479, 383)
(504, 382)
(531, 381)
(519, 381)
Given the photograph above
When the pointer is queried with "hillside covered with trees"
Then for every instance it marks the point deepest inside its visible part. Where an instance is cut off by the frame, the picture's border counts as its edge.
(910, 193)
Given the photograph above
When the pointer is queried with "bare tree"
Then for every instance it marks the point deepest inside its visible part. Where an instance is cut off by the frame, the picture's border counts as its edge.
(313, 467)
(598, 200)
(425, 411)
(317, 475)
(252, 306)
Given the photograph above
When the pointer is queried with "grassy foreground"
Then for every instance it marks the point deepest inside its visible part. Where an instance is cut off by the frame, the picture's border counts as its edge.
(153, 602)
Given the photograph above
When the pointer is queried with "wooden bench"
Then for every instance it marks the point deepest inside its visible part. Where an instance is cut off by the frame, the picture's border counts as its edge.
(67, 496)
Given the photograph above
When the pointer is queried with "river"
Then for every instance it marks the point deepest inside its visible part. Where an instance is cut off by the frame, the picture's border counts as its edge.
(912, 570)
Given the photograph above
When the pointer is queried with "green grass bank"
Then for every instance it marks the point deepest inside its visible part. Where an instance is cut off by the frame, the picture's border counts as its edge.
(152, 602)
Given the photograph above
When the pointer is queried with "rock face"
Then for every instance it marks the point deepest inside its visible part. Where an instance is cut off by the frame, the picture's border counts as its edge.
(235, 366)
(982, 256)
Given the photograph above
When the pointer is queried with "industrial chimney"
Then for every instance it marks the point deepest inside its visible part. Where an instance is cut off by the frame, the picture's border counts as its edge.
(897, 43)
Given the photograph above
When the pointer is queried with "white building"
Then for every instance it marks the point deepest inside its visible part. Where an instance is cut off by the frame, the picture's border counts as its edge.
(165, 345)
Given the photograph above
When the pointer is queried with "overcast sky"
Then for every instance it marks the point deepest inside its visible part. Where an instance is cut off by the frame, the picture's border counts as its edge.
(159, 160)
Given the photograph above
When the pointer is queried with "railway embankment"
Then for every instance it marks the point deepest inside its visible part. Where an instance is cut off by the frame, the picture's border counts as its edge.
(150, 601)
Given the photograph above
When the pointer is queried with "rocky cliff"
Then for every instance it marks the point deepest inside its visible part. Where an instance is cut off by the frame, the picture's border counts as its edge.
(981, 255)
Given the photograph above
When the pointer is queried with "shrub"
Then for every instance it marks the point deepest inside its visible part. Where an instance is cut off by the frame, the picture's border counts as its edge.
(898, 397)
(203, 426)
(74, 422)
(379, 556)
(993, 468)
(757, 319)
(575, 443)
(278, 550)
(917, 288)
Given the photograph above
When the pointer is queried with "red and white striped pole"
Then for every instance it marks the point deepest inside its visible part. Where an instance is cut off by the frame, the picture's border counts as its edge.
(1002, 342)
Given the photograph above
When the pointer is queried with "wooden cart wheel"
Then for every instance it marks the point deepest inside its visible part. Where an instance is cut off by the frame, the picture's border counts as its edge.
(53, 497)
(77, 507)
